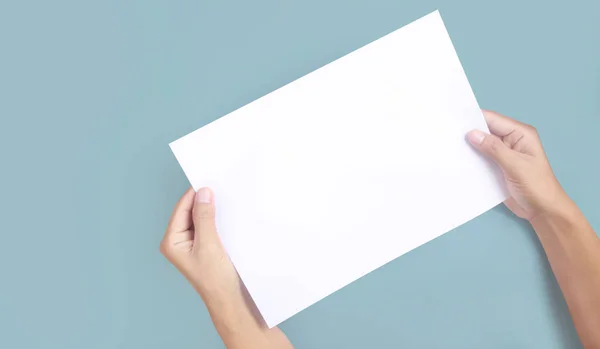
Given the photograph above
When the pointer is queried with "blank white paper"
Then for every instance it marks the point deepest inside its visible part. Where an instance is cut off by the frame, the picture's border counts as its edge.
(345, 169)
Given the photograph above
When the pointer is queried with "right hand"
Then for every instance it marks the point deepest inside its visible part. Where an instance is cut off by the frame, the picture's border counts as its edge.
(517, 149)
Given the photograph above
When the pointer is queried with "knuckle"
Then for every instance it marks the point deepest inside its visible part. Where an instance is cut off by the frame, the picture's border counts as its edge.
(164, 249)
(205, 214)
(492, 144)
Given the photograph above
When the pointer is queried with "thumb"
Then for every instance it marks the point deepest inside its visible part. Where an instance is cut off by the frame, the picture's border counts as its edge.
(203, 216)
(492, 147)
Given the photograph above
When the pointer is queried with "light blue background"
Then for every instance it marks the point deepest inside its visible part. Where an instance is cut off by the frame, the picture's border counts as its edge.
(91, 93)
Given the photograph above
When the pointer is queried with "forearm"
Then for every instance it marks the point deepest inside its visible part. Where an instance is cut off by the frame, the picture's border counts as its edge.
(241, 327)
(573, 250)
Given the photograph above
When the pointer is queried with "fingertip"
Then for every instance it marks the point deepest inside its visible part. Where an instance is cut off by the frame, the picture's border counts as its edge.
(498, 124)
(476, 137)
(204, 196)
(492, 117)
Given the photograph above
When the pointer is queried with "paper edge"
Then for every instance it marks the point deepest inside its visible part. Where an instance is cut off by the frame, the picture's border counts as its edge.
(173, 146)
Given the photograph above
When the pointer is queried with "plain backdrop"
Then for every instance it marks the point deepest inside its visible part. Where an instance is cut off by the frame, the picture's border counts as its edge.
(91, 93)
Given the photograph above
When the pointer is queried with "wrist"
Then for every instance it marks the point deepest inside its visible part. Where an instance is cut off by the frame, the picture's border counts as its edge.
(235, 317)
(237, 327)
(561, 211)
(554, 202)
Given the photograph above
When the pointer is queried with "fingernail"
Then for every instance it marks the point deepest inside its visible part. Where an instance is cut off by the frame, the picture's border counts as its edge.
(476, 136)
(204, 196)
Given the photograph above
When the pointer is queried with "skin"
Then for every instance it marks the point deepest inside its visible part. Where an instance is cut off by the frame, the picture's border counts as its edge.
(192, 245)
(191, 242)
(570, 243)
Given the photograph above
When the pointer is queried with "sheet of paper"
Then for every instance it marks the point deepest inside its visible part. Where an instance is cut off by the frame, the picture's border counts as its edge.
(343, 170)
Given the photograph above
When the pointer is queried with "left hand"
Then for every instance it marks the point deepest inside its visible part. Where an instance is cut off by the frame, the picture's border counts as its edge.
(191, 244)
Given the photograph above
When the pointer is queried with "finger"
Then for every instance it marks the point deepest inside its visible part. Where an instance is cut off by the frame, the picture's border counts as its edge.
(204, 217)
(181, 219)
(516, 135)
(501, 125)
(493, 147)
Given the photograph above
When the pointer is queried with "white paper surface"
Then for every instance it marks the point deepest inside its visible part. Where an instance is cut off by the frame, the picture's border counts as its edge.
(343, 170)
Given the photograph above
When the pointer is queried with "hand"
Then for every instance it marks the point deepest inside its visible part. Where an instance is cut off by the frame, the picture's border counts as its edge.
(191, 244)
(517, 149)
(569, 241)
